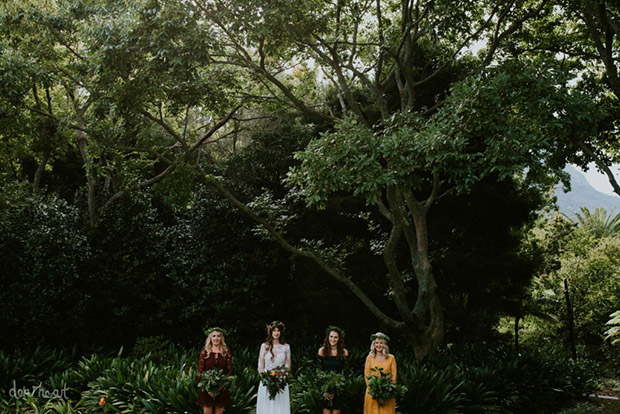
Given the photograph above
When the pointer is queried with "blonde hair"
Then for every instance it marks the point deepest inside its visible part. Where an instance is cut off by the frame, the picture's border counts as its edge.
(386, 348)
(209, 343)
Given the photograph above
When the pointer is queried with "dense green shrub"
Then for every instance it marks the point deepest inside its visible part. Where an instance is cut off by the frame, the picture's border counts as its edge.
(43, 250)
(165, 382)
(485, 381)
(143, 269)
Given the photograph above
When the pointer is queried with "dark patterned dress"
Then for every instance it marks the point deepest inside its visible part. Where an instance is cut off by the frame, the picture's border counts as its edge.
(215, 360)
(332, 363)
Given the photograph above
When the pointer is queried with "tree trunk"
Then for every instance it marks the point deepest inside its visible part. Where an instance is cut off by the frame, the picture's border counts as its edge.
(517, 320)
(91, 181)
(422, 347)
(428, 311)
(571, 329)
(36, 182)
(429, 335)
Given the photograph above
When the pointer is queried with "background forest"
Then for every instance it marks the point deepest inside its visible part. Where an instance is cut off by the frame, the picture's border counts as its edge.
(377, 165)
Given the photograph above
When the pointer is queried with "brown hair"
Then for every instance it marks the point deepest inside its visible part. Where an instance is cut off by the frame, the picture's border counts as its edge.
(269, 339)
(339, 345)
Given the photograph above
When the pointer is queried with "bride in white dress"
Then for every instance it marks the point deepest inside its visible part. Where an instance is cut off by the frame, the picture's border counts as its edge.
(274, 352)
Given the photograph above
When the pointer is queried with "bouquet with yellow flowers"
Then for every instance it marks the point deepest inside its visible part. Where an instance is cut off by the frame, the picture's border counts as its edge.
(275, 380)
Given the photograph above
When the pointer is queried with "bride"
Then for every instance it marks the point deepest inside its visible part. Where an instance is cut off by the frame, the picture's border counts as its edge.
(274, 352)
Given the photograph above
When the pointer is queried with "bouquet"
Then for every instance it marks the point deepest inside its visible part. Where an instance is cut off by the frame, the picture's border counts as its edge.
(214, 380)
(381, 387)
(275, 380)
(331, 382)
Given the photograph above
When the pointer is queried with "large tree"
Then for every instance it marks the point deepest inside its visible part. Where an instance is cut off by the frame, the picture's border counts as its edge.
(401, 140)
(410, 114)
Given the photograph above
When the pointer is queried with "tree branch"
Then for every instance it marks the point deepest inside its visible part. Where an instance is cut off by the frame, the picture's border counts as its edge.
(142, 184)
(513, 28)
(216, 183)
(166, 127)
(214, 128)
(602, 166)
(262, 70)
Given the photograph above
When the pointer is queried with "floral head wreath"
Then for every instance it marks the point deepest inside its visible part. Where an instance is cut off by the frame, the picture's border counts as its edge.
(335, 329)
(275, 324)
(379, 335)
(213, 329)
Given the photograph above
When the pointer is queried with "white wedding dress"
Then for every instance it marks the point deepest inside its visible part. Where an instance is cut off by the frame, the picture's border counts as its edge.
(267, 360)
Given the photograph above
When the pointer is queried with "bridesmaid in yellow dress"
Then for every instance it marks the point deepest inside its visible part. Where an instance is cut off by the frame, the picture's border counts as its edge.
(379, 357)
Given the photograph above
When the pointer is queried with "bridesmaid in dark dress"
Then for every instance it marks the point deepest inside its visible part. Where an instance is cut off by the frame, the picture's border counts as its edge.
(215, 355)
(332, 357)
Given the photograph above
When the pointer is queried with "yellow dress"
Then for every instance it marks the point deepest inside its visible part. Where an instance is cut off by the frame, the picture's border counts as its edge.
(372, 406)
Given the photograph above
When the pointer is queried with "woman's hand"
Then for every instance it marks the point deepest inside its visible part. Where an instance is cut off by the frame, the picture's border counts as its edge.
(328, 396)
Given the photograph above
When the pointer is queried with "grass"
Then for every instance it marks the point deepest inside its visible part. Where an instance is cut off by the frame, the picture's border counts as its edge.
(606, 386)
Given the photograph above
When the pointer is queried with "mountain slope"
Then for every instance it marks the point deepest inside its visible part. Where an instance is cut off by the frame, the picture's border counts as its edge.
(582, 194)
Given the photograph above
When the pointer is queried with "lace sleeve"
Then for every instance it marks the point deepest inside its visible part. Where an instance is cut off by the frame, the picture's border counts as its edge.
(288, 356)
(261, 358)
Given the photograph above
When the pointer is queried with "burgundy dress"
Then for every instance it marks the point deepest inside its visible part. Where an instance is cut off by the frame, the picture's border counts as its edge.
(215, 360)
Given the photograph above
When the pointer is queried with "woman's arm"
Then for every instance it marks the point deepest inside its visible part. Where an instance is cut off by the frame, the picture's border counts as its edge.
(201, 364)
(393, 368)
(367, 369)
(261, 358)
(288, 356)
(319, 358)
(229, 363)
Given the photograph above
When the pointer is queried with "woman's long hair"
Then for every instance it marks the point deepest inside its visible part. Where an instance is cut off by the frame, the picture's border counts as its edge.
(209, 344)
(386, 348)
(327, 348)
(269, 340)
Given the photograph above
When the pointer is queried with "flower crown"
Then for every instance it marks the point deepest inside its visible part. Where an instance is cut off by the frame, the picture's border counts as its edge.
(336, 329)
(379, 335)
(209, 331)
(275, 324)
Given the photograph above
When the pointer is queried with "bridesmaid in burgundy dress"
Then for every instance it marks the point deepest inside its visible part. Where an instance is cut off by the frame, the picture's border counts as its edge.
(215, 355)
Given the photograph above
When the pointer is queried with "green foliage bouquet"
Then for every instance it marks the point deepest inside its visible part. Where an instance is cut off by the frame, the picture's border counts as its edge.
(214, 380)
(275, 380)
(331, 382)
(381, 386)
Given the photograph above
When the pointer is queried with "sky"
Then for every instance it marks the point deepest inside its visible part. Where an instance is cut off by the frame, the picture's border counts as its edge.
(598, 180)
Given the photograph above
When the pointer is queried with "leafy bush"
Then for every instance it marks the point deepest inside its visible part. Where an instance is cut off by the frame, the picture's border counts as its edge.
(43, 249)
(493, 382)
(165, 382)
(150, 345)
(581, 408)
